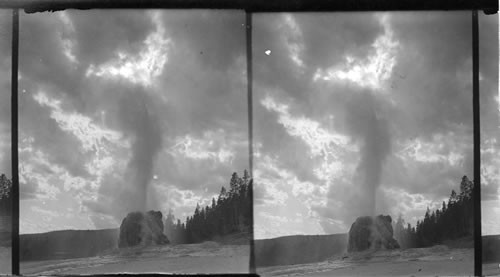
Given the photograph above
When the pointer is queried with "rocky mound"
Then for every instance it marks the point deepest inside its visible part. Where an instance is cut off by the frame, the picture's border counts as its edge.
(142, 229)
(371, 233)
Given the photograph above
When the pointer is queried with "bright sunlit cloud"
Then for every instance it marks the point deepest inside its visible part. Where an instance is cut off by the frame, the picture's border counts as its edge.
(35, 171)
(99, 142)
(369, 72)
(85, 148)
(293, 39)
(211, 146)
(144, 67)
(68, 44)
(322, 143)
(92, 136)
(431, 151)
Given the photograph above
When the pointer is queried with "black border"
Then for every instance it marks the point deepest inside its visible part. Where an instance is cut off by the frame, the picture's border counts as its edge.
(248, 33)
(30, 6)
(478, 242)
(14, 147)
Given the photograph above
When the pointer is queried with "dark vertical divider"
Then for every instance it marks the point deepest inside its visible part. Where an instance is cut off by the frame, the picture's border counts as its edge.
(248, 23)
(477, 144)
(248, 20)
(15, 176)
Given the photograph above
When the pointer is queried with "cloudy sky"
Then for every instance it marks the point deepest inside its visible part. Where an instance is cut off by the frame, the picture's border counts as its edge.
(5, 76)
(117, 106)
(128, 110)
(367, 113)
(490, 123)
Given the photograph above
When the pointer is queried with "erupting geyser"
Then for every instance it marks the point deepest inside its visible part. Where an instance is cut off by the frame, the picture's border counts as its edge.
(372, 233)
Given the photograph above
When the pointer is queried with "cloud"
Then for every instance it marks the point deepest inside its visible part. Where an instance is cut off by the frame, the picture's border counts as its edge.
(41, 172)
(490, 211)
(211, 146)
(147, 102)
(271, 180)
(320, 141)
(400, 103)
(91, 136)
(300, 44)
(490, 172)
(145, 66)
(5, 92)
(199, 34)
(490, 121)
(368, 72)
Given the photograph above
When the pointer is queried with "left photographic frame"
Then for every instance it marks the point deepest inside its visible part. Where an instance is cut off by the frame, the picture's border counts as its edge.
(133, 142)
(5, 142)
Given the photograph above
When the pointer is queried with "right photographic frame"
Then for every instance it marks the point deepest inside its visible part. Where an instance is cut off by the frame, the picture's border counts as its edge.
(363, 142)
(490, 142)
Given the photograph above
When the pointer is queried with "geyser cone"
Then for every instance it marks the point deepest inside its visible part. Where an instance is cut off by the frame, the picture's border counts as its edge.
(371, 233)
(142, 229)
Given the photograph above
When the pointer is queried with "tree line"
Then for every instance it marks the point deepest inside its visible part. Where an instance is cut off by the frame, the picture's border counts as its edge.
(230, 213)
(5, 195)
(454, 220)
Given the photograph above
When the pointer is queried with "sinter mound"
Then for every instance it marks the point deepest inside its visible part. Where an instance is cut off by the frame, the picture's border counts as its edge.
(371, 233)
(142, 229)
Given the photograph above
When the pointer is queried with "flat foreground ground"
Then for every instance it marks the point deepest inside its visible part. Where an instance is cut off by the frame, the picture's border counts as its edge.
(491, 269)
(432, 261)
(5, 261)
(207, 257)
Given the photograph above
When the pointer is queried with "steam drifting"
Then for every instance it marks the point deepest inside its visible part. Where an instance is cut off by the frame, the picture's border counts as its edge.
(372, 131)
(144, 129)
